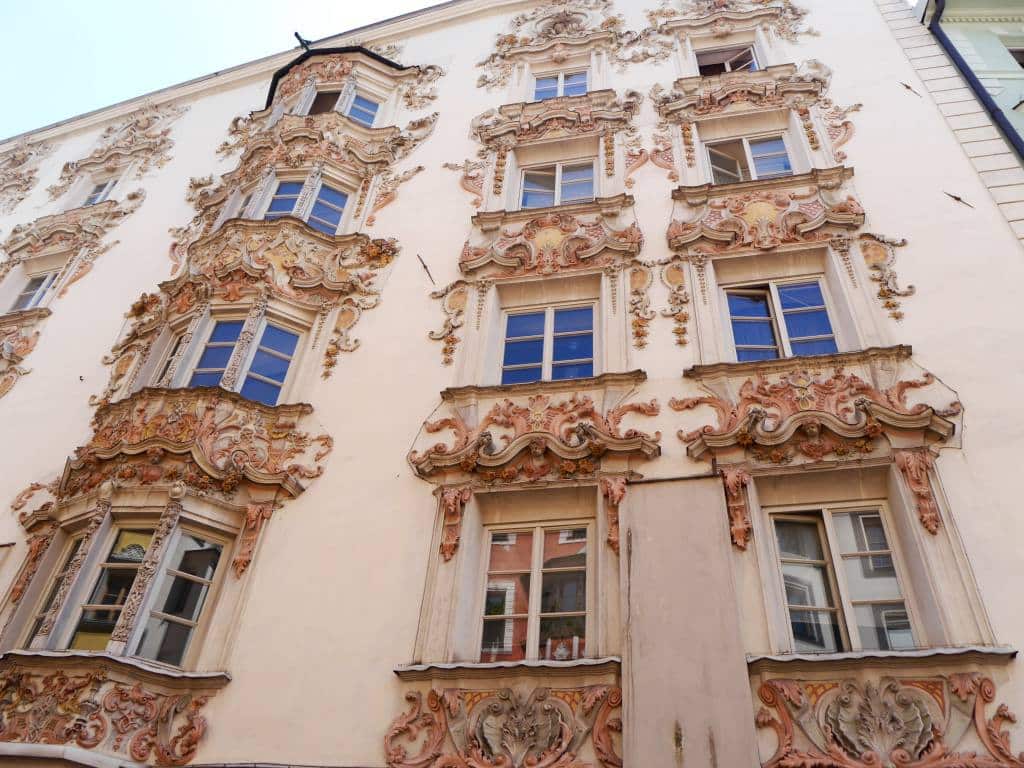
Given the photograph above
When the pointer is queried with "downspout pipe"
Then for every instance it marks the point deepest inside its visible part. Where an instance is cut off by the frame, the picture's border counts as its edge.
(993, 109)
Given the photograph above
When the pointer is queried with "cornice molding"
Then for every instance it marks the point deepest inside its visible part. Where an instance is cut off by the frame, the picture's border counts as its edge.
(626, 379)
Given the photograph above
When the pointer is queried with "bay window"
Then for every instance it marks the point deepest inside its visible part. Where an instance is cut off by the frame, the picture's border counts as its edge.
(840, 581)
(548, 344)
(780, 319)
(324, 215)
(536, 594)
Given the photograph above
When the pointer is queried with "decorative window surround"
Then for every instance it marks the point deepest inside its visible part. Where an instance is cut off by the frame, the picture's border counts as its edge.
(797, 93)
(19, 171)
(140, 142)
(770, 20)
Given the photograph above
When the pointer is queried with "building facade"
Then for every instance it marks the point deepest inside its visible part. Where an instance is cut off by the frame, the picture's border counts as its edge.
(515, 384)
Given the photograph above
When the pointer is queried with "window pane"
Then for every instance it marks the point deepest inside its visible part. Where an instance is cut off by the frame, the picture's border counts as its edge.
(164, 641)
(860, 532)
(563, 592)
(815, 631)
(563, 638)
(112, 586)
(871, 578)
(281, 205)
(365, 104)
(757, 333)
(822, 347)
(226, 331)
(526, 325)
(806, 585)
(266, 364)
(521, 375)
(572, 371)
(260, 391)
(289, 188)
(181, 597)
(748, 305)
(279, 340)
(761, 147)
(326, 213)
(94, 630)
(581, 319)
(812, 323)
(798, 540)
(322, 226)
(215, 357)
(522, 352)
(545, 88)
(743, 355)
(728, 162)
(205, 379)
(507, 595)
(130, 547)
(538, 199)
(884, 627)
(577, 173)
(574, 347)
(801, 295)
(576, 84)
(503, 640)
(511, 552)
(772, 166)
(332, 196)
(195, 556)
(565, 548)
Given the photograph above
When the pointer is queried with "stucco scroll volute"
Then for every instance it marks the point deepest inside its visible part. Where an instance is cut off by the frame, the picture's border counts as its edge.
(454, 298)
(19, 171)
(879, 254)
(911, 721)
(783, 18)
(142, 140)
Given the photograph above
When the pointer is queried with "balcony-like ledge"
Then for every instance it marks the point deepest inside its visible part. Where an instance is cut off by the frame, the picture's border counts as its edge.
(506, 669)
(490, 221)
(223, 436)
(24, 317)
(102, 710)
(918, 657)
(822, 178)
(625, 380)
(781, 364)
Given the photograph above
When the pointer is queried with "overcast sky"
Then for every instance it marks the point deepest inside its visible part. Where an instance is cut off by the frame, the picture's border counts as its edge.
(61, 58)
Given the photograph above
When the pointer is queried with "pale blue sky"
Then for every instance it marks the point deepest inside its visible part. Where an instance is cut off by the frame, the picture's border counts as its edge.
(61, 58)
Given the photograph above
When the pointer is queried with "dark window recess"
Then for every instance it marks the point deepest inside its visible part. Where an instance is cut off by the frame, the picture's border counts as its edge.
(324, 102)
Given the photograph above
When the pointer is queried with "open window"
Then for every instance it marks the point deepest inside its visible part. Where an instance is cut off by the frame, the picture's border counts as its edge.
(558, 184)
(35, 291)
(747, 159)
(780, 319)
(722, 60)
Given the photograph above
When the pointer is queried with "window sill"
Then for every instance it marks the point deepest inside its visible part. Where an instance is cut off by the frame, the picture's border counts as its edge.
(489, 221)
(625, 379)
(968, 654)
(836, 360)
(152, 670)
(824, 178)
(25, 316)
(494, 669)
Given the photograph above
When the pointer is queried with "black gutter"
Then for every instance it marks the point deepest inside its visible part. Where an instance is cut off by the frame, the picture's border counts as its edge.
(310, 52)
(975, 84)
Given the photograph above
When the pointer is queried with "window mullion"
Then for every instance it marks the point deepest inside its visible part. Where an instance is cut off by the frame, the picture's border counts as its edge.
(834, 570)
(750, 157)
(558, 183)
(533, 623)
(549, 343)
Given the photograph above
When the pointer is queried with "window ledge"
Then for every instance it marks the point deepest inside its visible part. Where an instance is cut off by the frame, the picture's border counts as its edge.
(158, 672)
(489, 221)
(625, 379)
(24, 316)
(838, 359)
(855, 659)
(490, 670)
(823, 178)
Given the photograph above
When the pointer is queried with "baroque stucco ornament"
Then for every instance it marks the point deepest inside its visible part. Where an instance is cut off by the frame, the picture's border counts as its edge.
(142, 139)
(467, 728)
(720, 18)
(19, 171)
(911, 722)
(540, 439)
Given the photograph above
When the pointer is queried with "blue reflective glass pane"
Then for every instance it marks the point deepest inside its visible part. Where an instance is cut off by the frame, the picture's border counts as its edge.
(525, 325)
(572, 371)
(580, 190)
(523, 352)
(581, 319)
(799, 324)
(205, 380)
(226, 331)
(333, 196)
(268, 365)
(821, 347)
(282, 205)
(801, 295)
(748, 305)
(578, 173)
(260, 391)
(546, 88)
(288, 188)
(538, 199)
(323, 226)
(760, 147)
(326, 213)
(756, 354)
(279, 339)
(753, 332)
(539, 181)
(576, 84)
(361, 117)
(520, 376)
(215, 357)
(365, 105)
(770, 166)
(573, 347)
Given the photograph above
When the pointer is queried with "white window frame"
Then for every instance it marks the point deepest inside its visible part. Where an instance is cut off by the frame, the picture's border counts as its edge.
(303, 209)
(558, 166)
(343, 219)
(533, 614)
(108, 186)
(739, 48)
(346, 108)
(751, 169)
(823, 515)
(775, 309)
(39, 295)
(549, 336)
(183, 375)
(561, 75)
